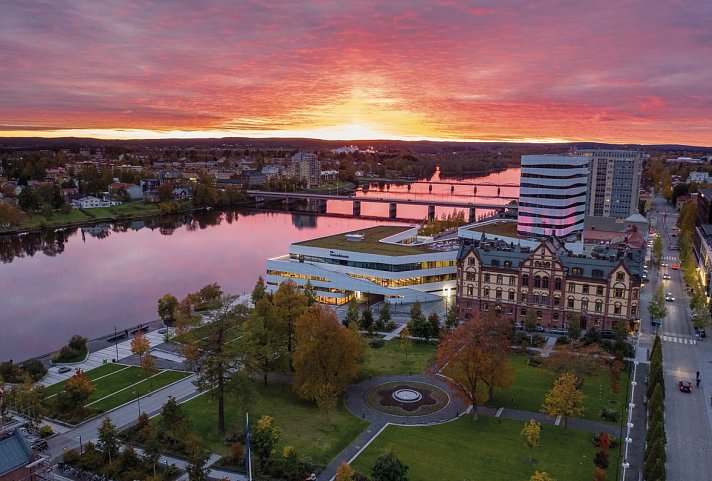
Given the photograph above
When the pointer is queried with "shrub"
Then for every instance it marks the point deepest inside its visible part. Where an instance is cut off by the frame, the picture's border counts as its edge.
(390, 326)
(535, 361)
(45, 431)
(377, 343)
(609, 415)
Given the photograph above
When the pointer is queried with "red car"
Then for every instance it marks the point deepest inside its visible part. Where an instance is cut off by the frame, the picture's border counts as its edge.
(685, 386)
(675, 267)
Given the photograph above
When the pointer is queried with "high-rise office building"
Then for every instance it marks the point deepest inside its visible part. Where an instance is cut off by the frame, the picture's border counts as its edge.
(552, 194)
(615, 182)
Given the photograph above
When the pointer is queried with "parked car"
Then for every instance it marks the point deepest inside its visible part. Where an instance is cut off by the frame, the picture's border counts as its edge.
(685, 386)
(538, 328)
(669, 297)
(675, 267)
(518, 326)
(64, 369)
(607, 334)
(664, 264)
(559, 330)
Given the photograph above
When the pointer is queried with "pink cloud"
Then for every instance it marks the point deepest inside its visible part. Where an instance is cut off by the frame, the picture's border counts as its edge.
(502, 70)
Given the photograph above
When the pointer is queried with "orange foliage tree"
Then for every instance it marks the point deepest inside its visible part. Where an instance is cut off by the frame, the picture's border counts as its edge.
(474, 355)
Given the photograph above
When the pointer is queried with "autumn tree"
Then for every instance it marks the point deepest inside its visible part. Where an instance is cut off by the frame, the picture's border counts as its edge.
(475, 354)
(211, 296)
(174, 422)
(263, 438)
(345, 472)
(140, 345)
(10, 214)
(405, 342)
(352, 314)
(327, 359)
(580, 360)
(167, 306)
(77, 390)
(27, 398)
(565, 399)
(531, 432)
(149, 368)
(452, 316)
(657, 307)
(384, 314)
(540, 476)
(221, 360)
(291, 303)
(264, 349)
(108, 439)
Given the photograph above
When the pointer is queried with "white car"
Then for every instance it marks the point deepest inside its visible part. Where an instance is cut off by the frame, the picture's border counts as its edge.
(666, 276)
(669, 297)
(664, 264)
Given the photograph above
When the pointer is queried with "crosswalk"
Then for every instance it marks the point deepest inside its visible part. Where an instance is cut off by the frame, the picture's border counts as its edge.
(670, 258)
(679, 340)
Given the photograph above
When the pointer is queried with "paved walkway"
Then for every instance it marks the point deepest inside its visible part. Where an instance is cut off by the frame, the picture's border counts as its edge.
(378, 421)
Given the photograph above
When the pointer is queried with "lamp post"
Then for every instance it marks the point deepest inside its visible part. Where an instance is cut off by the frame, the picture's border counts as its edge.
(138, 400)
(116, 344)
(631, 405)
(81, 448)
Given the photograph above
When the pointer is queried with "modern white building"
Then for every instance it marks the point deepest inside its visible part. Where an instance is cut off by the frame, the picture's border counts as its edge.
(552, 195)
(615, 182)
(389, 261)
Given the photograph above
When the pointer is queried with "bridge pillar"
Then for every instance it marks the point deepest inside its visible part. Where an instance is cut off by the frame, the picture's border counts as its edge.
(431, 212)
(473, 215)
(357, 208)
(392, 210)
(321, 206)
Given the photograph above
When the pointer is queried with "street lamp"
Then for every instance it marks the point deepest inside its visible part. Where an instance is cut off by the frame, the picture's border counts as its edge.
(81, 449)
(138, 400)
(116, 344)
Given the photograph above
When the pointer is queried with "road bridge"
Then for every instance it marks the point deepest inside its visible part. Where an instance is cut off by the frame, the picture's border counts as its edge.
(321, 200)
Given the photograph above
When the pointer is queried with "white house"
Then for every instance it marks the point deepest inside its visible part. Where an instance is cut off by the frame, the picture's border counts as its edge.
(91, 202)
(699, 177)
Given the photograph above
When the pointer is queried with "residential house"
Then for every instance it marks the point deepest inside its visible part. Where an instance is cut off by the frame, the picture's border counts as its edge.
(91, 202)
(182, 193)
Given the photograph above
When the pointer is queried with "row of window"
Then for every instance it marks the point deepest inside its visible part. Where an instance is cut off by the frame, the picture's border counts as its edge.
(376, 266)
(542, 282)
(617, 308)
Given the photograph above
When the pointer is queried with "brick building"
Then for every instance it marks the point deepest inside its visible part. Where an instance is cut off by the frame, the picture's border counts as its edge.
(551, 281)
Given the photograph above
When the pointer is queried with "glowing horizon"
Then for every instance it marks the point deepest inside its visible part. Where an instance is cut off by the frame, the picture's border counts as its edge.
(509, 71)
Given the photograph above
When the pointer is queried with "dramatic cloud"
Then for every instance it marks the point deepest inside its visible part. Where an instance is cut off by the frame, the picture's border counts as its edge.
(614, 71)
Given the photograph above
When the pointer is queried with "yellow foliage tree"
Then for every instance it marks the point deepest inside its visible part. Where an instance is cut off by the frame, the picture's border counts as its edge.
(540, 476)
(531, 432)
(345, 472)
(565, 399)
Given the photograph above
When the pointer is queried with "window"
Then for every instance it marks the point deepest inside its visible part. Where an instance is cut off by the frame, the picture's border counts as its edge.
(599, 306)
(523, 312)
(487, 277)
(485, 307)
(525, 280)
(495, 262)
(469, 291)
(599, 290)
(557, 283)
(470, 276)
(537, 281)
(635, 293)
(498, 294)
(471, 261)
(555, 316)
(507, 263)
(620, 276)
(512, 280)
(617, 309)
(524, 297)
(535, 299)
(469, 304)
(511, 296)
(618, 292)
(597, 273)
(499, 278)
(570, 304)
(485, 292)
(557, 301)
(545, 282)
(544, 300)
(584, 289)
(577, 271)
(633, 310)
(572, 287)
(538, 314)
(510, 310)
(537, 264)
(584, 305)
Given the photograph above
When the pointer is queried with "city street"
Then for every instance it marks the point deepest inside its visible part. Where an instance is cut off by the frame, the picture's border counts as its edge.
(687, 415)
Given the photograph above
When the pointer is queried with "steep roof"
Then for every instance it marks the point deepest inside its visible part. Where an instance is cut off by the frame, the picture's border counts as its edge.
(14, 453)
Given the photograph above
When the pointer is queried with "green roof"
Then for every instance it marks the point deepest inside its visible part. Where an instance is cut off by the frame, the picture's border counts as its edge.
(371, 243)
(501, 228)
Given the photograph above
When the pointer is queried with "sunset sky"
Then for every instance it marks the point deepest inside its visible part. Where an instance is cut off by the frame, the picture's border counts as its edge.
(612, 71)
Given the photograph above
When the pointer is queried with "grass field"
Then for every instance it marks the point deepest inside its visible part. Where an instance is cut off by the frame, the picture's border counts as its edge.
(116, 384)
(531, 384)
(485, 449)
(390, 359)
(302, 425)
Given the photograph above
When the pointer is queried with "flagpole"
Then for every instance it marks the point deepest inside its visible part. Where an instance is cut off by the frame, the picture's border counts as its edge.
(249, 452)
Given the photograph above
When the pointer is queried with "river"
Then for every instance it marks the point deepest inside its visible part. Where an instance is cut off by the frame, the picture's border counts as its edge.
(88, 281)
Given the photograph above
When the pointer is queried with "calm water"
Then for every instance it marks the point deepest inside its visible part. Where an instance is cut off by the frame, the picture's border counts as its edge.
(88, 282)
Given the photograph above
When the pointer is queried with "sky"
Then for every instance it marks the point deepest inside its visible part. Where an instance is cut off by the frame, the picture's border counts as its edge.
(614, 71)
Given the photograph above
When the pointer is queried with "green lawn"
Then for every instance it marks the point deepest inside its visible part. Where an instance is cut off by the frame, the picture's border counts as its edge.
(531, 384)
(486, 449)
(92, 374)
(302, 425)
(144, 387)
(390, 359)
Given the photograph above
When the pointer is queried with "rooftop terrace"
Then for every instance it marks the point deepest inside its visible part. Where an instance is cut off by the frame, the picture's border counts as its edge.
(499, 229)
(371, 243)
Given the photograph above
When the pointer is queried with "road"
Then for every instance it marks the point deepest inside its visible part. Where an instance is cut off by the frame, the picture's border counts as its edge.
(687, 416)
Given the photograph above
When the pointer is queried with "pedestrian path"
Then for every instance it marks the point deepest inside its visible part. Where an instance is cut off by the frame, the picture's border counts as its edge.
(100, 357)
(670, 258)
(679, 340)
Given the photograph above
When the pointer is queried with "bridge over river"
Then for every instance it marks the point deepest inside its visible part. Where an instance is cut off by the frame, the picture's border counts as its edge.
(321, 199)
